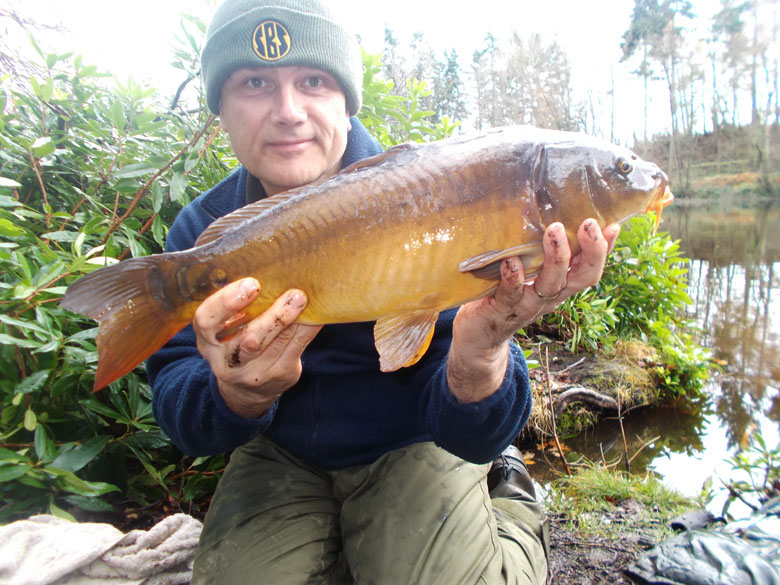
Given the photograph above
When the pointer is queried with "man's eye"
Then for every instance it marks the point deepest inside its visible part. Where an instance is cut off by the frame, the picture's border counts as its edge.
(256, 82)
(314, 81)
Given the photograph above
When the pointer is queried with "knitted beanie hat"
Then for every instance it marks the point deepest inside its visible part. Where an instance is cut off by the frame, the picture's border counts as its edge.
(279, 33)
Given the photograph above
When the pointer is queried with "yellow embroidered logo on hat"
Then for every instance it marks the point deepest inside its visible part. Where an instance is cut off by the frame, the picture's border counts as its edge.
(271, 41)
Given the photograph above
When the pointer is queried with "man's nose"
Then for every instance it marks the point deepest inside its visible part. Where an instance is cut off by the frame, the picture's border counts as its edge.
(289, 107)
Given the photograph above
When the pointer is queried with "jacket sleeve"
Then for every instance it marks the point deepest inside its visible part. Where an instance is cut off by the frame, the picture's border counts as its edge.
(480, 431)
(186, 401)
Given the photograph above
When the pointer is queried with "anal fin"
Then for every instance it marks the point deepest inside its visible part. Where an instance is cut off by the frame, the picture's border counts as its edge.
(402, 339)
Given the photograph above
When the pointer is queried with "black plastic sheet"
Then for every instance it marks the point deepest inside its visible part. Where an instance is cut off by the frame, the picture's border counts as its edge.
(744, 552)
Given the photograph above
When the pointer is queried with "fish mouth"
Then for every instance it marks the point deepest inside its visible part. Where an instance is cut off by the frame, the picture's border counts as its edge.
(657, 204)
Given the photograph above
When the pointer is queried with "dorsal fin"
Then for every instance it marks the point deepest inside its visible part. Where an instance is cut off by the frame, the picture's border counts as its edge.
(378, 159)
(232, 220)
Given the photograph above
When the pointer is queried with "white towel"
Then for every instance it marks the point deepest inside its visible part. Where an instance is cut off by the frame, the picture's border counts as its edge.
(43, 550)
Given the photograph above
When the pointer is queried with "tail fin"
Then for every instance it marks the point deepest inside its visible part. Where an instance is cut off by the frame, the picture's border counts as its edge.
(135, 321)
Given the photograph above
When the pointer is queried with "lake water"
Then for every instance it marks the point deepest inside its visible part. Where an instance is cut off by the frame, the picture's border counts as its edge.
(734, 284)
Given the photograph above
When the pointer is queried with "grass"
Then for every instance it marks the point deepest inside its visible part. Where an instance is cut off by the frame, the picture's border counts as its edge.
(605, 502)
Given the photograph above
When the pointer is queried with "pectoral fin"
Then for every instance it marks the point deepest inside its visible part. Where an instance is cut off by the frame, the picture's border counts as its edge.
(487, 265)
(403, 339)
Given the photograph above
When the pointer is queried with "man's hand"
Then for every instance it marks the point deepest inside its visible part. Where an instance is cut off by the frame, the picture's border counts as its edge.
(263, 359)
(479, 353)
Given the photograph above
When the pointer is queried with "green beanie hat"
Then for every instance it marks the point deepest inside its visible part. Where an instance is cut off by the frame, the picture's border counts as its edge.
(280, 33)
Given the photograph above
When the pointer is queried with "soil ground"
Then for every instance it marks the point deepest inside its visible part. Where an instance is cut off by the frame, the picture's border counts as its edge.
(577, 559)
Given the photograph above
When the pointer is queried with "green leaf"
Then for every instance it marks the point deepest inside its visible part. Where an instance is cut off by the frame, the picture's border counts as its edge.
(127, 185)
(64, 236)
(33, 382)
(158, 197)
(150, 469)
(101, 408)
(158, 231)
(34, 478)
(44, 446)
(42, 146)
(25, 343)
(89, 504)
(45, 90)
(118, 116)
(55, 510)
(52, 345)
(30, 420)
(12, 472)
(9, 230)
(71, 482)
(8, 320)
(134, 170)
(76, 457)
(191, 162)
(178, 184)
(8, 455)
(6, 183)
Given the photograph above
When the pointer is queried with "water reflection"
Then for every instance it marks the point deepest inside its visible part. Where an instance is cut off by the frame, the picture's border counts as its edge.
(648, 438)
(734, 269)
(734, 274)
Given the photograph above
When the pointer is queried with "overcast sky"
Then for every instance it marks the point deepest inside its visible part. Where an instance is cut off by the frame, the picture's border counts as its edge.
(134, 38)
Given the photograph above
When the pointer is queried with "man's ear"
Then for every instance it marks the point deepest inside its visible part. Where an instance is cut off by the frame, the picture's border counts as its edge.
(349, 121)
(219, 118)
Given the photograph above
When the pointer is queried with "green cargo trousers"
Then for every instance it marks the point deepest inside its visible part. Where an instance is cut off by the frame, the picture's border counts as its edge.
(417, 515)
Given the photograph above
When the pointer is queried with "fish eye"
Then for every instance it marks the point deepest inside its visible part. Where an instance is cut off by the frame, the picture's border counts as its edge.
(624, 166)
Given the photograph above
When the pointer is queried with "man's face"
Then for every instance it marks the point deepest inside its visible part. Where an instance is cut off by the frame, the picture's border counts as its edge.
(288, 125)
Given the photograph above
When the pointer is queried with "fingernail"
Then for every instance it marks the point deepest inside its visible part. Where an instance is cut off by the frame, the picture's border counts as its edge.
(248, 287)
(590, 225)
(297, 299)
(513, 264)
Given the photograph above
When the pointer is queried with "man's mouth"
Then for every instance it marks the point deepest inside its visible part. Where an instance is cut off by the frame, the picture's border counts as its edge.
(290, 146)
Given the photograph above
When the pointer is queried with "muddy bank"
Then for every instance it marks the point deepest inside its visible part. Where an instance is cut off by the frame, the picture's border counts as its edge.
(588, 559)
(573, 391)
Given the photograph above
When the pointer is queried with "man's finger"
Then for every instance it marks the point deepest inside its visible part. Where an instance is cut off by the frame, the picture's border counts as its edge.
(557, 255)
(510, 287)
(611, 233)
(589, 264)
(211, 316)
(288, 346)
(262, 331)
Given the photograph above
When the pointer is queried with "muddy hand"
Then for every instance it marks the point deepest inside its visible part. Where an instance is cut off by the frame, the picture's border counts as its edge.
(479, 351)
(562, 276)
(262, 358)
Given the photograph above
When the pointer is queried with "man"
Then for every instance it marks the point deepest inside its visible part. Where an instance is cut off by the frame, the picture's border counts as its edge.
(341, 473)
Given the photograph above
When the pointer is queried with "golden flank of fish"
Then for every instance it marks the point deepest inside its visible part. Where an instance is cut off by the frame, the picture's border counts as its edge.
(393, 239)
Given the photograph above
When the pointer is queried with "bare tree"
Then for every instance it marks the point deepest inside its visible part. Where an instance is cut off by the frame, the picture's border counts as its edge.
(654, 27)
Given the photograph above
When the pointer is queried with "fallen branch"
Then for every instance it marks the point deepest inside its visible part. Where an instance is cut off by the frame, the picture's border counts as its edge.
(582, 394)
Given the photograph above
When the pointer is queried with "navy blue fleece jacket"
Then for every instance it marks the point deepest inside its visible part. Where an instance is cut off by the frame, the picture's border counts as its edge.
(343, 411)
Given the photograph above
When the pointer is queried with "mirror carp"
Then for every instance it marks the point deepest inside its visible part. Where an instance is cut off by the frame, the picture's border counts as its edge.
(395, 239)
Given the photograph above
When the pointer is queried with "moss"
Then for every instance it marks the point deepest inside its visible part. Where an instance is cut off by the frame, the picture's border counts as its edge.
(576, 418)
(625, 374)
